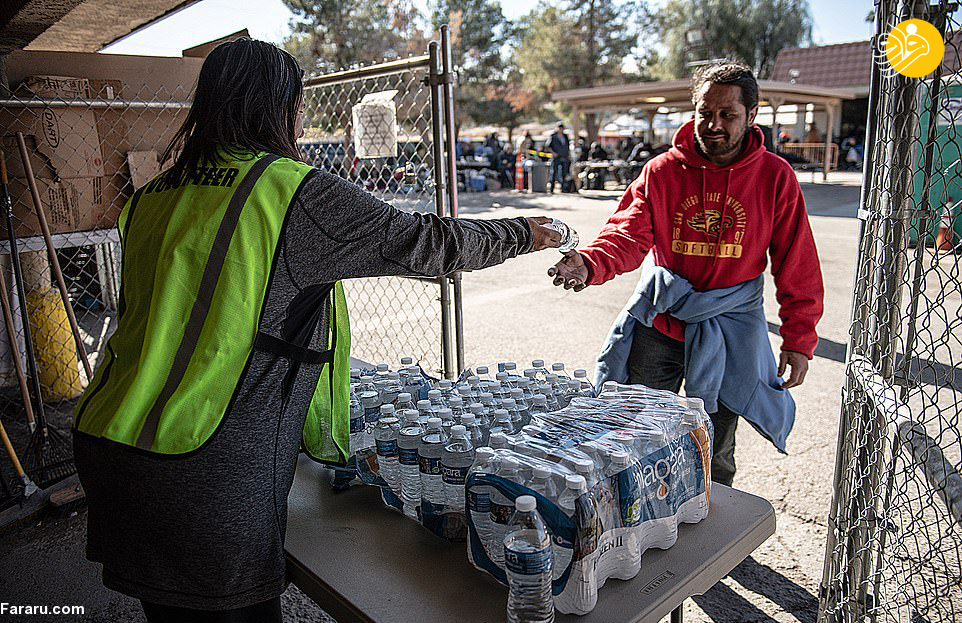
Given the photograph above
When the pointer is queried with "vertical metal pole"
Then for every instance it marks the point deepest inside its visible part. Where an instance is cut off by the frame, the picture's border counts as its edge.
(841, 508)
(434, 82)
(447, 88)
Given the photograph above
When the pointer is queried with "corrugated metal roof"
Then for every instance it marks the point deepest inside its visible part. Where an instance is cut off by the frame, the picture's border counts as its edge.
(841, 65)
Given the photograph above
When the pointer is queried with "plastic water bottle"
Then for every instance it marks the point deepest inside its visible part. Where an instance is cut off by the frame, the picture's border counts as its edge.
(498, 440)
(474, 432)
(457, 408)
(559, 369)
(626, 501)
(404, 402)
(502, 423)
(409, 439)
(437, 401)
(539, 405)
(456, 460)
(429, 463)
(447, 421)
(569, 237)
(385, 440)
(527, 558)
(479, 497)
(501, 510)
(425, 411)
(517, 420)
(543, 483)
(357, 437)
(575, 487)
(587, 389)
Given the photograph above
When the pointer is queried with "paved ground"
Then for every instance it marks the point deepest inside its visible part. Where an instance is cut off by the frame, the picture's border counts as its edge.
(512, 311)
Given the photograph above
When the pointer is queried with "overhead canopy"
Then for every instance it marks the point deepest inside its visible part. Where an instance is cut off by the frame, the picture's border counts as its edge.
(675, 95)
(77, 25)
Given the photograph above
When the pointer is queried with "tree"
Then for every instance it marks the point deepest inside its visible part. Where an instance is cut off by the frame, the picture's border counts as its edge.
(578, 44)
(479, 34)
(749, 31)
(328, 35)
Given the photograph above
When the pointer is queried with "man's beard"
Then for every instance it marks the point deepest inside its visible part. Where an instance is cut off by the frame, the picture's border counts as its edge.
(723, 148)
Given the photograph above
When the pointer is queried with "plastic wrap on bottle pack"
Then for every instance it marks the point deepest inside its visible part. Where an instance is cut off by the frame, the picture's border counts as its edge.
(613, 476)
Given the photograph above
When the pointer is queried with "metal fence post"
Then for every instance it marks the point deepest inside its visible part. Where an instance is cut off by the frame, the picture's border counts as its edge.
(448, 91)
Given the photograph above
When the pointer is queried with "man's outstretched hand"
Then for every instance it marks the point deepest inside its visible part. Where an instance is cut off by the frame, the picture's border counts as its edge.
(799, 365)
(571, 272)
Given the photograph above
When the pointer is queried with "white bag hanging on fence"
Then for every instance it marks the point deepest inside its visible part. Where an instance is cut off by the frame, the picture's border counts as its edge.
(375, 125)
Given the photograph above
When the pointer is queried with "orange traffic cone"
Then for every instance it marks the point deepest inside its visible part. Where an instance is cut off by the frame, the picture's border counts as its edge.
(943, 240)
(519, 172)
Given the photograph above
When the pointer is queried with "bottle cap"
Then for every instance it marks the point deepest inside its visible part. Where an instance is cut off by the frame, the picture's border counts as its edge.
(456, 400)
(481, 370)
(509, 403)
(537, 363)
(501, 376)
(476, 408)
(540, 399)
(387, 409)
(516, 393)
(574, 383)
(382, 367)
(434, 393)
(584, 465)
(388, 421)
(355, 372)
(468, 419)
(445, 384)
(540, 471)
(525, 503)
(576, 482)
(406, 361)
(404, 397)
(530, 373)
(620, 458)
(581, 374)
(552, 378)
(367, 378)
(458, 429)
(445, 414)
(557, 367)
(500, 413)
(474, 380)
(410, 414)
(486, 396)
(510, 366)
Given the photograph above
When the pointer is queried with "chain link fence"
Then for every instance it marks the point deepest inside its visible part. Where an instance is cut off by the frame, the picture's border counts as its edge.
(376, 128)
(894, 547)
(76, 148)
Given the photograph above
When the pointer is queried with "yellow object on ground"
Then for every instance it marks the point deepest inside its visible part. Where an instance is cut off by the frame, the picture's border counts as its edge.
(57, 363)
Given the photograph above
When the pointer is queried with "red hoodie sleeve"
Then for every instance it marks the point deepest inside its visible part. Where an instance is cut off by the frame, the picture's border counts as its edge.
(795, 267)
(625, 239)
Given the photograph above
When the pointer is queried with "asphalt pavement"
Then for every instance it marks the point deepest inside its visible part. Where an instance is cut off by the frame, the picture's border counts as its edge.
(513, 312)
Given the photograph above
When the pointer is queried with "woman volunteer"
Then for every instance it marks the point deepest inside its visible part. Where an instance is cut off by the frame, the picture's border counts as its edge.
(232, 345)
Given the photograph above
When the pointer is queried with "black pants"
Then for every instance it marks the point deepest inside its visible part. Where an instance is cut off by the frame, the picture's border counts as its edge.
(265, 612)
(658, 361)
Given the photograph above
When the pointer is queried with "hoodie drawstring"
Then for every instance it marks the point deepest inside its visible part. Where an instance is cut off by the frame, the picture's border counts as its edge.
(724, 211)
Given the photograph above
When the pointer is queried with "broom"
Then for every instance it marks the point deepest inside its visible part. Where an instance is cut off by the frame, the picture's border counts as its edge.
(49, 455)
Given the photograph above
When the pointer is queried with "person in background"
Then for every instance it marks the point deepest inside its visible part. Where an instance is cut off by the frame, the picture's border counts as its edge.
(506, 162)
(711, 211)
(187, 437)
(560, 147)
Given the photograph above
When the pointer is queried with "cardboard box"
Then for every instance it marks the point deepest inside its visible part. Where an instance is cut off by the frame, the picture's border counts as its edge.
(66, 136)
(69, 204)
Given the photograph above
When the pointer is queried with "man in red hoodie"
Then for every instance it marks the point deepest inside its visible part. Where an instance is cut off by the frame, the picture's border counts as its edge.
(711, 210)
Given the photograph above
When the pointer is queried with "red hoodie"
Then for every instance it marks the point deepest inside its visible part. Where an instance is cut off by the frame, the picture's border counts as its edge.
(713, 226)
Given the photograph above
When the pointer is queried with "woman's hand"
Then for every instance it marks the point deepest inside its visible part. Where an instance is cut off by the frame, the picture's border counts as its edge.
(544, 238)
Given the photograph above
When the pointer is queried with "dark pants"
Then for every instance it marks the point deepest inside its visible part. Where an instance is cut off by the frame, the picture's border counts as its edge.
(265, 612)
(658, 361)
(559, 171)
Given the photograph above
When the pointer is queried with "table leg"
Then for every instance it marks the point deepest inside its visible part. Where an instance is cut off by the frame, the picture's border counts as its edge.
(678, 614)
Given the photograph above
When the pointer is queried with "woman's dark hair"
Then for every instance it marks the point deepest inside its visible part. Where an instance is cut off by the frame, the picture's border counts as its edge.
(246, 100)
(727, 72)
